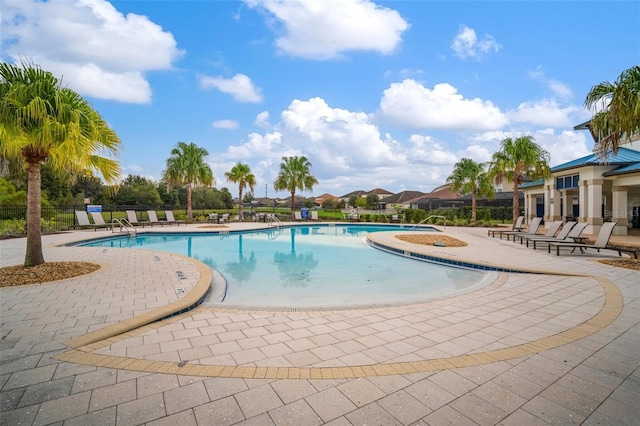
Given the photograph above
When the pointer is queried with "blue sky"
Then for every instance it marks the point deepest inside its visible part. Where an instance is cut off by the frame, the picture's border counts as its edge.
(386, 94)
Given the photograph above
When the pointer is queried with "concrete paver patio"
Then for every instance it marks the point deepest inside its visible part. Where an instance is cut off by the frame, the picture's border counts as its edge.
(560, 345)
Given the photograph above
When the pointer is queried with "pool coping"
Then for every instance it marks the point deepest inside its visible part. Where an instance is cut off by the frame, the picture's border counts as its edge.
(82, 347)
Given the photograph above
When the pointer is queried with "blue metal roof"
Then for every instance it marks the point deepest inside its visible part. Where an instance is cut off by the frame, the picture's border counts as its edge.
(631, 168)
(625, 157)
(537, 182)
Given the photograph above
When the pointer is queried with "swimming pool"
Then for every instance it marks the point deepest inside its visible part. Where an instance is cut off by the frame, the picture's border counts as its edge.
(310, 267)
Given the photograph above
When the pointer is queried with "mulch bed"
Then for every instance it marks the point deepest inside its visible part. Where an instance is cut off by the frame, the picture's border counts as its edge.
(49, 271)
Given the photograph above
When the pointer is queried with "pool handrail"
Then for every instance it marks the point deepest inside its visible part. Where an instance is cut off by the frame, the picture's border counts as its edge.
(123, 223)
(272, 219)
(433, 215)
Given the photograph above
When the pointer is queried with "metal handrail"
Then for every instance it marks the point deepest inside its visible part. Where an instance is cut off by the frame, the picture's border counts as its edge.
(124, 223)
(433, 215)
(271, 219)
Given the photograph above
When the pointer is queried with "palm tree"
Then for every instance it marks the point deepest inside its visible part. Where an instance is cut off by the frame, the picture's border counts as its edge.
(469, 177)
(40, 121)
(618, 120)
(241, 174)
(517, 160)
(294, 174)
(186, 166)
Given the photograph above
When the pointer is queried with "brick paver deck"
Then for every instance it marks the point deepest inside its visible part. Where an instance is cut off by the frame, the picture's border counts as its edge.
(560, 345)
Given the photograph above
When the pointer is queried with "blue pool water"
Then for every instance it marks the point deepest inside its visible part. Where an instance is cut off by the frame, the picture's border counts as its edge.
(316, 266)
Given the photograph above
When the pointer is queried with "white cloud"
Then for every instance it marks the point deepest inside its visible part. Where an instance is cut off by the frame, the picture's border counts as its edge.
(99, 51)
(411, 105)
(478, 153)
(563, 147)
(558, 88)
(466, 44)
(326, 29)
(240, 87)
(225, 124)
(262, 120)
(546, 112)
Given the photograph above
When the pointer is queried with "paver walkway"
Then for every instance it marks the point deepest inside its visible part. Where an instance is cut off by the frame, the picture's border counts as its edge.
(544, 348)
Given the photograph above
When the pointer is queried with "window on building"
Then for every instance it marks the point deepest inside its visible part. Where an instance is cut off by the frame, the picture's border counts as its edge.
(567, 182)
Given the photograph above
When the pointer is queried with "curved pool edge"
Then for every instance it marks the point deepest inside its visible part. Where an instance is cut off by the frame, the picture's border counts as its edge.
(189, 301)
(450, 256)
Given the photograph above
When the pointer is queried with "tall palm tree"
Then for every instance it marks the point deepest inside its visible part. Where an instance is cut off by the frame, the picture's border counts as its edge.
(186, 166)
(617, 120)
(241, 174)
(295, 173)
(517, 160)
(40, 121)
(469, 177)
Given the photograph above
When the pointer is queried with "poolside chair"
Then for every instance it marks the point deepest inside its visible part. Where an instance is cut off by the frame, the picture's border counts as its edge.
(314, 215)
(133, 219)
(552, 230)
(224, 218)
(561, 235)
(171, 219)
(601, 241)
(98, 220)
(153, 218)
(83, 220)
(395, 218)
(571, 237)
(517, 227)
(297, 215)
(532, 230)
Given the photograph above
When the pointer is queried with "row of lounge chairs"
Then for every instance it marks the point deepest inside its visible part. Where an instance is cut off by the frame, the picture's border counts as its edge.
(298, 216)
(560, 234)
(82, 218)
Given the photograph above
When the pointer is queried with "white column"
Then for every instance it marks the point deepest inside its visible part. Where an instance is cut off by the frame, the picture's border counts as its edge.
(583, 199)
(619, 209)
(594, 208)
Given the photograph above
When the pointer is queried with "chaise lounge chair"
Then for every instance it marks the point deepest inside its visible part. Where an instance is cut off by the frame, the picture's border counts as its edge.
(314, 215)
(171, 219)
(98, 220)
(83, 220)
(153, 218)
(517, 227)
(552, 230)
(133, 219)
(532, 230)
(601, 242)
(564, 228)
(572, 236)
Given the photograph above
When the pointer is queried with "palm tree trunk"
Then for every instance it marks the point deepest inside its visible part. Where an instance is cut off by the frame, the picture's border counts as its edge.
(33, 256)
(473, 206)
(189, 210)
(516, 202)
(240, 204)
(293, 205)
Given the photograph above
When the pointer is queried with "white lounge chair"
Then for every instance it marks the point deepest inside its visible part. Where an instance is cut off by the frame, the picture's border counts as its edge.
(571, 237)
(551, 232)
(314, 215)
(601, 242)
(153, 218)
(561, 235)
(98, 220)
(532, 230)
(297, 215)
(171, 219)
(517, 227)
(133, 219)
(83, 220)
